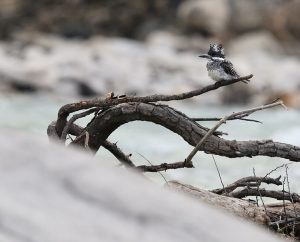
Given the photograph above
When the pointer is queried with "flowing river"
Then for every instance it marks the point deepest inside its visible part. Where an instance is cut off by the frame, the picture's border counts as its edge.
(144, 140)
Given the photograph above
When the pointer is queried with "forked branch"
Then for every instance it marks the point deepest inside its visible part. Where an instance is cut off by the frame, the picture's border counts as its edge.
(109, 102)
(223, 120)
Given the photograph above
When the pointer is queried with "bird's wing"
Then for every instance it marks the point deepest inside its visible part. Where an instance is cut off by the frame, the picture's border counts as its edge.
(228, 68)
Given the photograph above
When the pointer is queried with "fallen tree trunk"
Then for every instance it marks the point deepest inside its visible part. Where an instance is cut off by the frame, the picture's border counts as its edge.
(278, 217)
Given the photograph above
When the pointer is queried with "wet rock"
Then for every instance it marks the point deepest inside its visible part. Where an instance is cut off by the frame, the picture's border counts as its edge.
(255, 42)
(206, 16)
(180, 43)
(251, 15)
(85, 90)
(83, 19)
(22, 87)
(287, 25)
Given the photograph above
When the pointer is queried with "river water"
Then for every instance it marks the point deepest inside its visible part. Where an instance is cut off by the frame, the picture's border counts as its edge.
(158, 145)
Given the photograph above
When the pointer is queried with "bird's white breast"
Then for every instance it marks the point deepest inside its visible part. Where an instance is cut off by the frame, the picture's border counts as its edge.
(215, 75)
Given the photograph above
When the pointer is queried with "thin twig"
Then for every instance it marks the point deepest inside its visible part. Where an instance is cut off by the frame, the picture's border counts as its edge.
(164, 167)
(118, 153)
(292, 201)
(262, 201)
(284, 221)
(258, 184)
(283, 200)
(111, 147)
(222, 121)
(218, 119)
(276, 168)
(265, 193)
(73, 119)
(218, 171)
(70, 137)
(249, 181)
(152, 165)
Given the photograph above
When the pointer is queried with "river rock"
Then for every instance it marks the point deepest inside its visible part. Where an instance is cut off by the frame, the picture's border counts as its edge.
(207, 16)
(258, 42)
(50, 193)
(165, 63)
(252, 15)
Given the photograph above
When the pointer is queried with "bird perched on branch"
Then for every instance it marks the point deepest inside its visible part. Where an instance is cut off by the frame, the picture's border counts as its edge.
(219, 69)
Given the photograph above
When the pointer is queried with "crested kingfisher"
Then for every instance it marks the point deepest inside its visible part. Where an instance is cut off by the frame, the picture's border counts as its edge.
(217, 66)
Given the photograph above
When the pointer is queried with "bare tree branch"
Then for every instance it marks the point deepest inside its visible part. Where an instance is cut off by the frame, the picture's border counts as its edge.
(74, 118)
(108, 121)
(250, 181)
(118, 153)
(164, 167)
(222, 121)
(279, 195)
(218, 119)
(108, 102)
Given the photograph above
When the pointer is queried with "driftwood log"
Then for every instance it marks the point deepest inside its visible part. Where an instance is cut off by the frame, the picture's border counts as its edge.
(281, 219)
(109, 113)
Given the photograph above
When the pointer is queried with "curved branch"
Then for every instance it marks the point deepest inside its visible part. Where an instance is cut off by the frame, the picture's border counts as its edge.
(76, 130)
(249, 181)
(164, 166)
(279, 195)
(108, 121)
(74, 118)
(65, 110)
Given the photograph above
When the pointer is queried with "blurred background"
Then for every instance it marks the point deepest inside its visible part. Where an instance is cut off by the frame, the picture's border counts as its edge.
(57, 51)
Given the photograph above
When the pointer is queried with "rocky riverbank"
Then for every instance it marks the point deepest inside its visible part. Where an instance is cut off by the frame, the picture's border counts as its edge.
(136, 18)
(163, 63)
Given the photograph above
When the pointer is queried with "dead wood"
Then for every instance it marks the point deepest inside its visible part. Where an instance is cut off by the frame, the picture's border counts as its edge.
(222, 121)
(64, 111)
(108, 121)
(279, 195)
(113, 111)
(274, 218)
(250, 181)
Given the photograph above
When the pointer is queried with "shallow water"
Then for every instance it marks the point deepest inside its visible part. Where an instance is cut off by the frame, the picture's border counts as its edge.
(158, 145)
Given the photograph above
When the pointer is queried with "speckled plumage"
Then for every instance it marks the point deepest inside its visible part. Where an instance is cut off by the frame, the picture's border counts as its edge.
(221, 69)
(217, 66)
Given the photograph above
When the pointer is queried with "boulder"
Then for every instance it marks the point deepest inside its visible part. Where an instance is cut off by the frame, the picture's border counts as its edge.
(207, 16)
(255, 42)
(50, 193)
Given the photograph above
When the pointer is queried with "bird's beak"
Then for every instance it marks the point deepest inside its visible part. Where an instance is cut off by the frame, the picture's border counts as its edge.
(205, 56)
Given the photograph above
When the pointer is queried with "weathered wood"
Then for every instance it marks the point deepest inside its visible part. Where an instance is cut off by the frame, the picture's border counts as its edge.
(77, 130)
(239, 207)
(65, 110)
(108, 121)
(249, 181)
(222, 121)
(279, 217)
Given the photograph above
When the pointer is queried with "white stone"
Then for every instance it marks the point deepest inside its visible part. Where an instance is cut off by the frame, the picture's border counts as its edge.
(50, 193)
(211, 16)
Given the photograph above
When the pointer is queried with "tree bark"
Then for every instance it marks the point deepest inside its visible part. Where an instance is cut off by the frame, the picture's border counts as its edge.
(275, 216)
(65, 110)
(108, 121)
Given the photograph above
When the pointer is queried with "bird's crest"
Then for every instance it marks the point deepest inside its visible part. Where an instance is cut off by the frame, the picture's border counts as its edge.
(216, 50)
